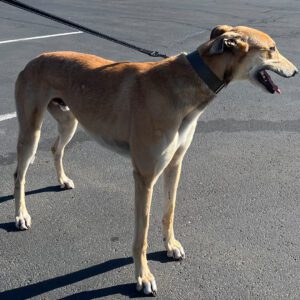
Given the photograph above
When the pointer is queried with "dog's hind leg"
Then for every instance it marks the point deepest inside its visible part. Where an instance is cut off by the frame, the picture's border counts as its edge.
(30, 122)
(67, 125)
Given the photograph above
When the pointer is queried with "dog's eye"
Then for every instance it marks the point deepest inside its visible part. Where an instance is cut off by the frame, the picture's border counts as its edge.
(272, 49)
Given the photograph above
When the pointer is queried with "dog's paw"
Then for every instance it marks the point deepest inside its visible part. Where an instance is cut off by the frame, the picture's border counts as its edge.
(23, 221)
(147, 284)
(174, 249)
(66, 184)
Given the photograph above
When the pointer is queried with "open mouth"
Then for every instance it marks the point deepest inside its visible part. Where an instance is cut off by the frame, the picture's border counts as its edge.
(265, 79)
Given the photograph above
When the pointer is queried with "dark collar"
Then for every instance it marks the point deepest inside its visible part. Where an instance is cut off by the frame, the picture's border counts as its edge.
(204, 72)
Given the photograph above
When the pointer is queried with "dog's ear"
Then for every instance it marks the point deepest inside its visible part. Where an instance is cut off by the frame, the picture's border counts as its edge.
(232, 43)
(219, 30)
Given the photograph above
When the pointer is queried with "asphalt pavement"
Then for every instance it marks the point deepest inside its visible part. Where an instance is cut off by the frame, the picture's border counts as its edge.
(238, 208)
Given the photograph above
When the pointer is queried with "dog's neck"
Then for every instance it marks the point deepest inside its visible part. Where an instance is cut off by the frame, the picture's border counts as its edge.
(218, 64)
(176, 77)
(205, 72)
(188, 89)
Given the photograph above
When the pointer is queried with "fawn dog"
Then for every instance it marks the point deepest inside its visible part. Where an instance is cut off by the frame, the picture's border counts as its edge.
(148, 110)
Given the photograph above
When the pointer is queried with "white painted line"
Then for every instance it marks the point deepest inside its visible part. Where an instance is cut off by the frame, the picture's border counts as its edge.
(8, 116)
(14, 114)
(39, 37)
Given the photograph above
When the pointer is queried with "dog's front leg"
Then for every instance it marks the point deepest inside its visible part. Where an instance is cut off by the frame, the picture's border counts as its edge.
(171, 180)
(143, 196)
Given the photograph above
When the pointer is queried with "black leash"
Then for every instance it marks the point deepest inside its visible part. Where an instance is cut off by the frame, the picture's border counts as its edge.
(213, 82)
(52, 17)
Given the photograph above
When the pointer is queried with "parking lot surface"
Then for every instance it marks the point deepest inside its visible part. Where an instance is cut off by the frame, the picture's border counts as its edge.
(238, 207)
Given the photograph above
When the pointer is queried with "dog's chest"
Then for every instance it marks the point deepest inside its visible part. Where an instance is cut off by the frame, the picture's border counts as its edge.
(187, 128)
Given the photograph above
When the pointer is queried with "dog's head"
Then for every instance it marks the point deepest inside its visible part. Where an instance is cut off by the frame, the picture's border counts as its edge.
(241, 52)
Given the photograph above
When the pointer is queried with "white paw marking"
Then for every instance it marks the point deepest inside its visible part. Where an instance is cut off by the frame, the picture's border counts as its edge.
(147, 286)
(174, 249)
(67, 184)
(23, 221)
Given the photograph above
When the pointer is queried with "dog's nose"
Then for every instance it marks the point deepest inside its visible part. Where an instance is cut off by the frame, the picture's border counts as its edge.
(295, 72)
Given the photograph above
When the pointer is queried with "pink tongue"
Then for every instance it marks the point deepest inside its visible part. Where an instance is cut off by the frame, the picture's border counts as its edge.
(275, 87)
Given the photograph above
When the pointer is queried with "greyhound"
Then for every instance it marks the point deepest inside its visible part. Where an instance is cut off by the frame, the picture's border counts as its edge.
(146, 110)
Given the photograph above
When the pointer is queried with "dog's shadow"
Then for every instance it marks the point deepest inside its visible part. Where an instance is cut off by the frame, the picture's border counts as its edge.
(52, 188)
(42, 287)
(10, 226)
